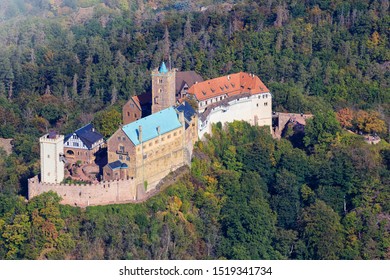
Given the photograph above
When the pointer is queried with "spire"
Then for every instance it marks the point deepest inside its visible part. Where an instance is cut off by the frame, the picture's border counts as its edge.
(163, 68)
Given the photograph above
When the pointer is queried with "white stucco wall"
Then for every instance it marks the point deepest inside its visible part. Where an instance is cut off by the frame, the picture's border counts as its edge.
(52, 168)
(255, 109)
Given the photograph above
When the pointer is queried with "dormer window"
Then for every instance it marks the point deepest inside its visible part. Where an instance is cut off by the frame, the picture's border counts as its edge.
(204, 93)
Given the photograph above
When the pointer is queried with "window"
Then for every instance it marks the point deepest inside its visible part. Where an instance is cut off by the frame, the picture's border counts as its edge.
(257, 104)
(48, 156)
(75, 144)
(132, 105)
(265, 103)
(174, 134)
(128, 114)
(67, 143)
(156, 100)
(120, 157)
(169, 136)
(123, 138)
(128, 158)
(122, 149)
(119, 138)
(150, 144)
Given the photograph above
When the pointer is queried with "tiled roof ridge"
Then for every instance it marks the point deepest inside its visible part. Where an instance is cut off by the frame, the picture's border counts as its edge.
(231, 84)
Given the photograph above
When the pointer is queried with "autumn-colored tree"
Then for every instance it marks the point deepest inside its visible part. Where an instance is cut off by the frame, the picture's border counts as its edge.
(370, 122)
(345, 117)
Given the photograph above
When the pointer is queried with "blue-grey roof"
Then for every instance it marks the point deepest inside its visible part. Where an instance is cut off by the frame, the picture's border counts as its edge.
(163, 68)
(166, 119)
(117, 165)
(87, 134)
(187, 109)
(188, 112)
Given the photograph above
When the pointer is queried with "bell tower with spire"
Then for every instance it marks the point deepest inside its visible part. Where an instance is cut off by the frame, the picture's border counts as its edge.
(163, 88)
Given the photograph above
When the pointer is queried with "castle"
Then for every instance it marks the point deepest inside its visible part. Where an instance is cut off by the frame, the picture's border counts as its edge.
(157, 137)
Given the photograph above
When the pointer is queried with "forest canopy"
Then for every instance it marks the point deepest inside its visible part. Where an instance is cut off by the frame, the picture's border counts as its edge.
(64, 63)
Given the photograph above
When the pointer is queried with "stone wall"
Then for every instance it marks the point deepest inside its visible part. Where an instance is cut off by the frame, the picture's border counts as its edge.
(105, 192)
(130, 112)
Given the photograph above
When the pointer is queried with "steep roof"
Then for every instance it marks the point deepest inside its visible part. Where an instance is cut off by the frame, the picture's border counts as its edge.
(186, 77)
(163, 68)
(166, 119)
(87, 134)
(142, 99)
(188, 111)
(229, 85)
(117, 165)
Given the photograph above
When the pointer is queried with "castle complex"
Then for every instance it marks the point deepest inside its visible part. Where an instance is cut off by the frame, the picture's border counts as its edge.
(157, 137)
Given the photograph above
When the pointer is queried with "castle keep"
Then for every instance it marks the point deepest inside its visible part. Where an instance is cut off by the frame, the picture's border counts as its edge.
(157, 137)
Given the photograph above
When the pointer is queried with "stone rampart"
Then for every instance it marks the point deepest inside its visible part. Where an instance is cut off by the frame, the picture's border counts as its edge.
(105, 192)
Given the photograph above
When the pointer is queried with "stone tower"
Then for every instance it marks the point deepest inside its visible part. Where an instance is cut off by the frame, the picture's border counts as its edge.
(52, 158)
(163, 88)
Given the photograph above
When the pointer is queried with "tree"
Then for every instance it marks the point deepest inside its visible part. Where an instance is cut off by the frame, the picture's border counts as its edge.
(248, 223)
(285, 199)
(370, 122)
(107, 122)
(321, 231)
(345, 117)
(321, 130)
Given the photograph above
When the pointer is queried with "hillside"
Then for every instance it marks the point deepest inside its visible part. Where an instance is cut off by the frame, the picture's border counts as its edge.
(66, 63)
(247, 197)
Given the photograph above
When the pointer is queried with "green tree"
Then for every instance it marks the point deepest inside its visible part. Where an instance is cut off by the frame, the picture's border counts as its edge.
(321, 130)
(321, 231)
(107, 122)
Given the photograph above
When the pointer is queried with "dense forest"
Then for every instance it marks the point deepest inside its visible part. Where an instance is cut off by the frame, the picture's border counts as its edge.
(322, 195)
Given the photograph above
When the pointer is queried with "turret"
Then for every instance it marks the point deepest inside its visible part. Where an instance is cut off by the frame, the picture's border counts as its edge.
(163, 88)
(52, 157)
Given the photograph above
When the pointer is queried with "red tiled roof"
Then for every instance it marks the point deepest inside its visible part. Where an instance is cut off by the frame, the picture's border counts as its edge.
(230, 85)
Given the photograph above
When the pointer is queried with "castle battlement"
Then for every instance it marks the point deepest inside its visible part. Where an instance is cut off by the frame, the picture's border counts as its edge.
(82, 195)
(51, 139)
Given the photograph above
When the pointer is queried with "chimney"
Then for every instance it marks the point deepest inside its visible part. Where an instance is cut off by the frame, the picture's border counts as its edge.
(181, 117)
(228, 77)
(140, 134)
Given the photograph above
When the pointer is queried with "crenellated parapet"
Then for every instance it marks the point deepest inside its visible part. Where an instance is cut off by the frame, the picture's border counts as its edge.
(101, 193)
